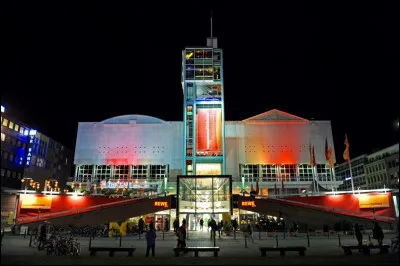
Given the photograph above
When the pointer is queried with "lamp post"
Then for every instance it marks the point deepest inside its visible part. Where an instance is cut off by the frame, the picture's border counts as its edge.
(25, 180)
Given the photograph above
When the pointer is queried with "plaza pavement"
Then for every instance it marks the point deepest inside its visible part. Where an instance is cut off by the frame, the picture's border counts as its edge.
(15, 250)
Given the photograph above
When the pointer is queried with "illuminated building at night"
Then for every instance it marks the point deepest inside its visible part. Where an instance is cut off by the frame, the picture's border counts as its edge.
(374, 171)
(27, 153)
(205, 159)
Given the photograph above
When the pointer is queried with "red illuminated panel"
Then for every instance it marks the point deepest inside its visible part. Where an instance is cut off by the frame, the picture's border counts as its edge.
(209, 131)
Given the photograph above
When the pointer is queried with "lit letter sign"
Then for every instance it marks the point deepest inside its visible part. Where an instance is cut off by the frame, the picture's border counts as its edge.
(161, 204)
(249, 204)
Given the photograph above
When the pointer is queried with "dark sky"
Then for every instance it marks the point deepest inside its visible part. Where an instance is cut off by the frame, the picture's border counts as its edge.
(65, 62)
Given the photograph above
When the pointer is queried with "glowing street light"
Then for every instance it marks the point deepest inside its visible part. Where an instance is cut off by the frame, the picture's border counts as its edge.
(25, 180)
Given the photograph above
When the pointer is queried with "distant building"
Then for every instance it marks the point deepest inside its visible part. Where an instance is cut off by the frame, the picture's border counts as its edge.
(27, 153)
(377, 170)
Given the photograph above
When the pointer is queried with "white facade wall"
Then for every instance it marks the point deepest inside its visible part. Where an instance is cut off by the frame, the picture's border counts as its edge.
(147, 140)
(275, 143)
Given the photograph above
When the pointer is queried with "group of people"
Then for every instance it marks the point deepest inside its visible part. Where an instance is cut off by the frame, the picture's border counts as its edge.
(377, 233)
(180, 232)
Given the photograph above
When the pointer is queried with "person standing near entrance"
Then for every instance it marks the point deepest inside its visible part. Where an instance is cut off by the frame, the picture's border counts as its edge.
(358, 234)
(201, 224)
(141, 225)
(181, 234)
(151, 239)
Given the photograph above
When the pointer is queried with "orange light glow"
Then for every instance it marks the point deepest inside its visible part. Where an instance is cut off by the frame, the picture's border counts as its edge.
(249, 203)
(161, 204)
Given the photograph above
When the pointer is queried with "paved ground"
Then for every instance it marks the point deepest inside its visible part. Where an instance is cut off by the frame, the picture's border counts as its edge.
(322, 250)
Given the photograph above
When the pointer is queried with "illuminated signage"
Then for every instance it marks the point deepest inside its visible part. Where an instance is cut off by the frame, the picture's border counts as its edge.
(26, 132)
(249, 204)
(347, 177)
(33, 202)
(161, 204)
(28, 157)
(3, 109)
(366, 201)
(32, 132)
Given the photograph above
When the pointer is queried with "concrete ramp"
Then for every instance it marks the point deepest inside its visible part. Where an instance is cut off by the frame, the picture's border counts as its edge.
(312, 215)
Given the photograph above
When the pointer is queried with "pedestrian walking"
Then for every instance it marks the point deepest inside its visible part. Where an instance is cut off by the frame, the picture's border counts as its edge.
(151, 239)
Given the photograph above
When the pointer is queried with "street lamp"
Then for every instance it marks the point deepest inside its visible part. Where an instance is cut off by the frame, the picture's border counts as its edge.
(25, 180)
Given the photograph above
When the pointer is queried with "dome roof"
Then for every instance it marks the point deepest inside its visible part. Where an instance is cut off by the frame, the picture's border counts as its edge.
(140, 119)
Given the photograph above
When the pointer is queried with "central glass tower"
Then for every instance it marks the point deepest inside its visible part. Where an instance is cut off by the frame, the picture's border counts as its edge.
(204, 116)
(204, 190)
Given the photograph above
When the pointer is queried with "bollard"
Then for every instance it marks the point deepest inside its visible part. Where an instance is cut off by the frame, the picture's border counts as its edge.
(30, 241)
(245, 241)
(340, 244)
(276, 237)
(369, 238)
(163, 235)
(234, 234)
(120, 240)
(26, 232)
(259, 234)
(90, 242)
(308, 239)
(284, 234)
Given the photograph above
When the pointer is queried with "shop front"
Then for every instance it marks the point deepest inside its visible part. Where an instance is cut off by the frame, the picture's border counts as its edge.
(204, 197)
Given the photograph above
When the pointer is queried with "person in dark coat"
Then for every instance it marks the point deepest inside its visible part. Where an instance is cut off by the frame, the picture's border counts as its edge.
(141, 225)
(377, 233)
(201, 224)
(358, 235)
(151, 239)
(42, 235)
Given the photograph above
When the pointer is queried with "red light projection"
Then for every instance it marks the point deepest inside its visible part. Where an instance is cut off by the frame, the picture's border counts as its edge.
(117, 161)
(209, 131)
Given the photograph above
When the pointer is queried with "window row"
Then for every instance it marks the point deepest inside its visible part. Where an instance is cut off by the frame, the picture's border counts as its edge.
(10, 173)
(13, 126)
(123, 171)
(13, 141)
(289, 170)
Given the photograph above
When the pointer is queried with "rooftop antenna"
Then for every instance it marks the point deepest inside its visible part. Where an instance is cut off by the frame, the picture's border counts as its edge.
(211, 23)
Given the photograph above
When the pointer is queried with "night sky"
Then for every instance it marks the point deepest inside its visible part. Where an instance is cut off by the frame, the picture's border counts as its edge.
(68, 62)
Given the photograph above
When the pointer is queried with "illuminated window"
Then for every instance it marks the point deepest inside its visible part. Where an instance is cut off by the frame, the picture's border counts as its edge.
(21, 130)
(288, 172)
(305, 172)
(158, 171)
(85, 171)
(11, 125)
(269, 172)
(16, 127)
(121, 171)
(103, 171)
(249, 171)
(324, 172)
(40, 162)
(139, 171)
(3, 136)
(5, 122)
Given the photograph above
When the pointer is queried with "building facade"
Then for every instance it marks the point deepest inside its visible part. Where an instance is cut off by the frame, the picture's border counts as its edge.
(374, 171)
(30, 155)
(143, 153)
